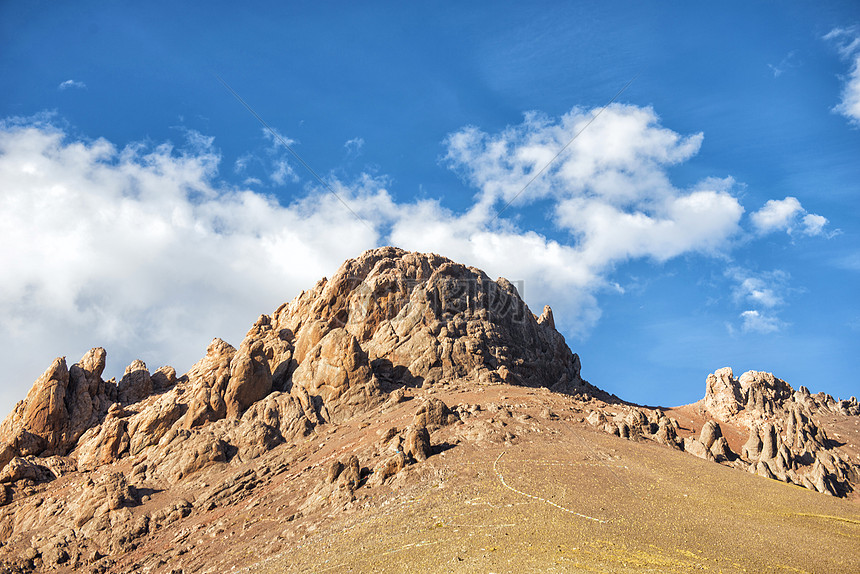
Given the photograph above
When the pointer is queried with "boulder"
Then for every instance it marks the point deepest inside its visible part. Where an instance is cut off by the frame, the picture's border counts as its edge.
(721, 451)
(417, 443)
(136, 383)
(696, 448)
(752, 448)
(710, 433)
(20, 468)
(769, 445)
(250, 378)
(350, 477)
(433, 414)
(387, 468)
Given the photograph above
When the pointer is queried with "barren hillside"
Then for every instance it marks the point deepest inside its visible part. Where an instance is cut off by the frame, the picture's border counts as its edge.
(411, 414)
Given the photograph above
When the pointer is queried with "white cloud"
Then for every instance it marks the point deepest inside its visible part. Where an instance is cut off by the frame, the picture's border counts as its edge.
(814, 224)
(850, 104)
(148, 252)
(767, 289)
(141, 250)
(847, 41)
(788, 215)
(71, 84)
(621, 157)
(609, 190)
(777, 214)
(757, 322)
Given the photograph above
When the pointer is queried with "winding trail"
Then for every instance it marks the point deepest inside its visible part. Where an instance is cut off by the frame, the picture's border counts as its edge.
(538, 498)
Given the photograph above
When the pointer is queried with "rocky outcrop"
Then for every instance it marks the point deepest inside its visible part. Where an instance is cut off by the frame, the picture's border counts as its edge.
(62, 405)
(785, 443)
(250, 378)
(136, 384)
(423, 318)
(710, 433)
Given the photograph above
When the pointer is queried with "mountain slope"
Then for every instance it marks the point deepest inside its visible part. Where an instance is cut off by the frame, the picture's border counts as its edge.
(405, 381)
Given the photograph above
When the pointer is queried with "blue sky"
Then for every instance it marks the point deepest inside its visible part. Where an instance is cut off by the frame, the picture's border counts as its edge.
(709, 217)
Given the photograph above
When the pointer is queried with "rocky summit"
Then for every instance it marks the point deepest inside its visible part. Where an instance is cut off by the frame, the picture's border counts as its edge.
(412, 414)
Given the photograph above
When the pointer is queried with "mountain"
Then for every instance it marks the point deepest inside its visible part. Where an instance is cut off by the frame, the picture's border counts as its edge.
(411, 414)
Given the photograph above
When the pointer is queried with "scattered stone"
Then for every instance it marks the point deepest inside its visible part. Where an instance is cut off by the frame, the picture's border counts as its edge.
(433, 414)
(710, 433)
(386, 469)
(417, 443)
(696, 448)
(350, 477)
(721, 451)
(333, 471)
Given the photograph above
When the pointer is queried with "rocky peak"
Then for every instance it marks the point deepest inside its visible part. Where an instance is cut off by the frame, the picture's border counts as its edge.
(431, 319)
(386, 319)
(753, 395)
(757, 396)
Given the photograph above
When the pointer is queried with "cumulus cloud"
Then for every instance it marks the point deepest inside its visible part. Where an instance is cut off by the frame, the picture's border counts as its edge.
(68, 84)
(788, 215)
(141, 249)
(609, 190)
(148, 251)
(847, 41)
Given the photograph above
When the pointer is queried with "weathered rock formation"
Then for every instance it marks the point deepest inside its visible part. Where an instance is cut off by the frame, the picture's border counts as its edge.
(387, 320)
(784, 441)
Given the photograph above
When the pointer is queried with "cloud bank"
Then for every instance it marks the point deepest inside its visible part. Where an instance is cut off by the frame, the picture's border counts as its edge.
(150, 252)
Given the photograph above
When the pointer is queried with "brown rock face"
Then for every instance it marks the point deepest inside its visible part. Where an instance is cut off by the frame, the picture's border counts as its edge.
(422, 317)
(753, 395)
(723, 396)
(61, 406)
(710, 433)
(136, 384)
(417, 443)
(250, 379)
(387, 320)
